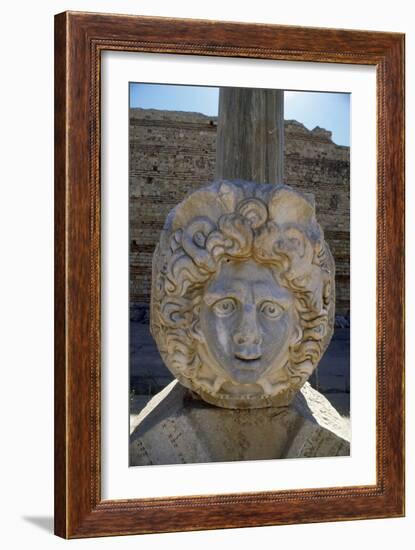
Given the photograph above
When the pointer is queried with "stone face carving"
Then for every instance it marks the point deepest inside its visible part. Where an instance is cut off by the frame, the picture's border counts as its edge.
(242, 303)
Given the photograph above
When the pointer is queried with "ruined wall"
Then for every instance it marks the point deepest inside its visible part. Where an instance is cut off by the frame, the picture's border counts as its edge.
(172, 153)
(315, 164)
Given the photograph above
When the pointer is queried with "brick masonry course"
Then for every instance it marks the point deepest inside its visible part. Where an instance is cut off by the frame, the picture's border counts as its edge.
(173, 153)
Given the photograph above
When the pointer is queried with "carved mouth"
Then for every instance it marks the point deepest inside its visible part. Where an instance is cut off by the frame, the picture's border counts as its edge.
(248, 359)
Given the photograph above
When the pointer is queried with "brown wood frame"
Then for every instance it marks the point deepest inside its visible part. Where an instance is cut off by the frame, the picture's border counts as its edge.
(79, 40)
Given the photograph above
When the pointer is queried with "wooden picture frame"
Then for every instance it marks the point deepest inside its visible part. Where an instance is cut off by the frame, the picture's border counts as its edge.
(79, 40)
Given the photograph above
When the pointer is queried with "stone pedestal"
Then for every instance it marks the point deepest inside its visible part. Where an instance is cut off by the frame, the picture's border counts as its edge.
(178, 428)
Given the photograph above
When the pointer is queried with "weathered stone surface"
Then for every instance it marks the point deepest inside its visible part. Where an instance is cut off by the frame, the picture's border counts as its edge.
(242, 309)
(242, 303)
(176, 427)
(250, 136)
(149, 375)
(173, 153)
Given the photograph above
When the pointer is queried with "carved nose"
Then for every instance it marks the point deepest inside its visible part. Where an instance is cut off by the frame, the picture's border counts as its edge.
(247, 335)
(244, 338)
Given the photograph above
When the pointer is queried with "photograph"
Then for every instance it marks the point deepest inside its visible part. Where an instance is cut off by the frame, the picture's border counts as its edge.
(239, 274)
(229, 275)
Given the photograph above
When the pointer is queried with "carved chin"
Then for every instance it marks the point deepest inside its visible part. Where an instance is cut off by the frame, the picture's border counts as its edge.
(245, 371)
(224, 391)
(248, 378)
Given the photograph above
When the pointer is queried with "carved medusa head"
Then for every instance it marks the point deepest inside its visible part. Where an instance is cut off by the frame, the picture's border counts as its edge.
(242, 302)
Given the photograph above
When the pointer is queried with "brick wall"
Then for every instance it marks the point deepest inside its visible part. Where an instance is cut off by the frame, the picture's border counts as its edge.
(172, 153)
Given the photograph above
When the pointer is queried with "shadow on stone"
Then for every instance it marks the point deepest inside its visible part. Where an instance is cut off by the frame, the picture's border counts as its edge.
(176, 428)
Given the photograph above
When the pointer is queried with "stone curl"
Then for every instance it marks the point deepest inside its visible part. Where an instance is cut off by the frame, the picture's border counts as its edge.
(273, 225)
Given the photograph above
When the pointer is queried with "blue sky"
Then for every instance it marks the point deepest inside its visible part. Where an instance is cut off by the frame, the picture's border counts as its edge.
(327, 110)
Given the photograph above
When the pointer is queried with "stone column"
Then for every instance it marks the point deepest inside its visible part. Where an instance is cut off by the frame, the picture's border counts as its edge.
(250, 136)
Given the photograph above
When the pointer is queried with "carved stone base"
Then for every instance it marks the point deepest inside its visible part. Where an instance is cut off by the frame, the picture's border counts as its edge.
(177, 428)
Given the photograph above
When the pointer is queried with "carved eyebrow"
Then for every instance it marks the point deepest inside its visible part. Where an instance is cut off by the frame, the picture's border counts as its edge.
(282, 301)
(213, 296)
(278, 294)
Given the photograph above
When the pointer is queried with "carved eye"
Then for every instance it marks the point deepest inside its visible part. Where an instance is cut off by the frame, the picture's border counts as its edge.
(272, 310)
(224, 307)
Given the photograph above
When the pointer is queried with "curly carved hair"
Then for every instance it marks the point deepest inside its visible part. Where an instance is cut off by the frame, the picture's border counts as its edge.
(274, 225)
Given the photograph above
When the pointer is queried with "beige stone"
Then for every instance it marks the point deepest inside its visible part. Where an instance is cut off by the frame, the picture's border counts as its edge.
(242, 302)
(178, 428)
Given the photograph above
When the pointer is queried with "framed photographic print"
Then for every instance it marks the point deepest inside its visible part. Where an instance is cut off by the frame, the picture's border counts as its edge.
(229, 275)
